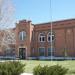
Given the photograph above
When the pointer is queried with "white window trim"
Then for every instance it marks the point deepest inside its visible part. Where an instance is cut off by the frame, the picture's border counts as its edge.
(41, 36)
(50, 37)
(21, 34)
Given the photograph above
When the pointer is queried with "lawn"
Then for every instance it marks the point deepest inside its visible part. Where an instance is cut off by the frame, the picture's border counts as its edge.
(30, 64)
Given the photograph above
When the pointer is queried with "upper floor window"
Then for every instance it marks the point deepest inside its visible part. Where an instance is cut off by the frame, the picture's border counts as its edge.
(50, 37)
(22, 35)
(42, 37)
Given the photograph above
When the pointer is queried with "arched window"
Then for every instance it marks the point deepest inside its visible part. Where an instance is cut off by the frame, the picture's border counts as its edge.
(42, 37)
(49, 37)
(22, 35)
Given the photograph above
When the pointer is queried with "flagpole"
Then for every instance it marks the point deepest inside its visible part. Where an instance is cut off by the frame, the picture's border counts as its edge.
(51, 30)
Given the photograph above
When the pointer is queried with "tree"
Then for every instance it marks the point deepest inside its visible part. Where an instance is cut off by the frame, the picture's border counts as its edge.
(7, 35)
(6, 13)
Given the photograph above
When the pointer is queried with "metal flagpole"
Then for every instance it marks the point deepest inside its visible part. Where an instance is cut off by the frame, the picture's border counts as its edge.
(51, 31)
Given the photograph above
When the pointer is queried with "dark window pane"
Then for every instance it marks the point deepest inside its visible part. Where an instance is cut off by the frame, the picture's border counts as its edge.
(40, 38)
(52, 37)
(49, 51)
(41, 51)
(49, 38)
(43, 38)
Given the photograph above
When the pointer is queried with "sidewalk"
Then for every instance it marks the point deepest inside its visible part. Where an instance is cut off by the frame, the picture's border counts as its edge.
(26, 74)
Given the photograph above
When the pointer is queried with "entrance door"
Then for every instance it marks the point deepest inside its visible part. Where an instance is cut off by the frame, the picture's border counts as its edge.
(22, 53)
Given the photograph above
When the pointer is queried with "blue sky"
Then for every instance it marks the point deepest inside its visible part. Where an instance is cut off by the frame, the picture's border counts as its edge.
(39, 10)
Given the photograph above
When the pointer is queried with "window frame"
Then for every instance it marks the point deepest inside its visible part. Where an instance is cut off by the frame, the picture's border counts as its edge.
(22, 35)
(40, 36)
(50, 51)
(43, 52)
(53, 35)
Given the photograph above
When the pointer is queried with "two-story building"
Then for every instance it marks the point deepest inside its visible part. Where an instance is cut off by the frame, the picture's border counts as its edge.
(34, 40)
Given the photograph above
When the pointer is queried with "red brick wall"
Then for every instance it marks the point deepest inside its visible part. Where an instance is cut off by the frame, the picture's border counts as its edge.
(59, 42)
(27, 27)
(64, 37)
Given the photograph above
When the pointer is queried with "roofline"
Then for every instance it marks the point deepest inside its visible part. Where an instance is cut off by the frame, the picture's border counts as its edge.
(58, 21)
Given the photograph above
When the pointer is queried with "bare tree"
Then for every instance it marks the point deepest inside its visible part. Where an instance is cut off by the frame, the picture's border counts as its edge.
(7, 35)
(6, 13)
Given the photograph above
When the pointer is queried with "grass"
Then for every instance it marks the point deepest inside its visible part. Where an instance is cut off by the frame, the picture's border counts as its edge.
(30, 64)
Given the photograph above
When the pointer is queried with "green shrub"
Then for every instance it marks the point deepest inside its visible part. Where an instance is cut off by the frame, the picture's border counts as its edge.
(40, 70)
(50, 70)
(11, 68)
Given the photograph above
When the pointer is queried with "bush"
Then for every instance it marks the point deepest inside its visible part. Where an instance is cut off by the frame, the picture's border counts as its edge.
(11, 68)
(52, 70)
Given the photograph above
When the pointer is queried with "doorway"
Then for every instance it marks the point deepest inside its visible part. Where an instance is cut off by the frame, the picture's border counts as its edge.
(22, 53)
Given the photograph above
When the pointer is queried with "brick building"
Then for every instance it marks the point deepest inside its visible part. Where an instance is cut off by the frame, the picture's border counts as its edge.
(34, 40)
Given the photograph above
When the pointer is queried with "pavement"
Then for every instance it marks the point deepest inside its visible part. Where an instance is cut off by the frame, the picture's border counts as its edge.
(26, 74)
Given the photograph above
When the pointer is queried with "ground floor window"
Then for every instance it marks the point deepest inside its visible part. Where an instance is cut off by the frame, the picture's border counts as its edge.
(49, 51)
(10, 52)
(33, 52)
(41, 51)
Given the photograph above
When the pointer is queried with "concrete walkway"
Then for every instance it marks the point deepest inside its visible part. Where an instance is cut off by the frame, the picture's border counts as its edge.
(26, 74)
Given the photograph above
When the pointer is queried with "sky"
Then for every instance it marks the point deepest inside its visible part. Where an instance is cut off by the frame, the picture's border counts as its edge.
(39, 11)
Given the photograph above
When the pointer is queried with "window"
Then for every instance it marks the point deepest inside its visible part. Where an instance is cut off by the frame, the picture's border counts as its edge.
(49, 52)
(41, 51)
(22, 35)
(42, 37)
(33, 51)
(10, 52)
(49, 37)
